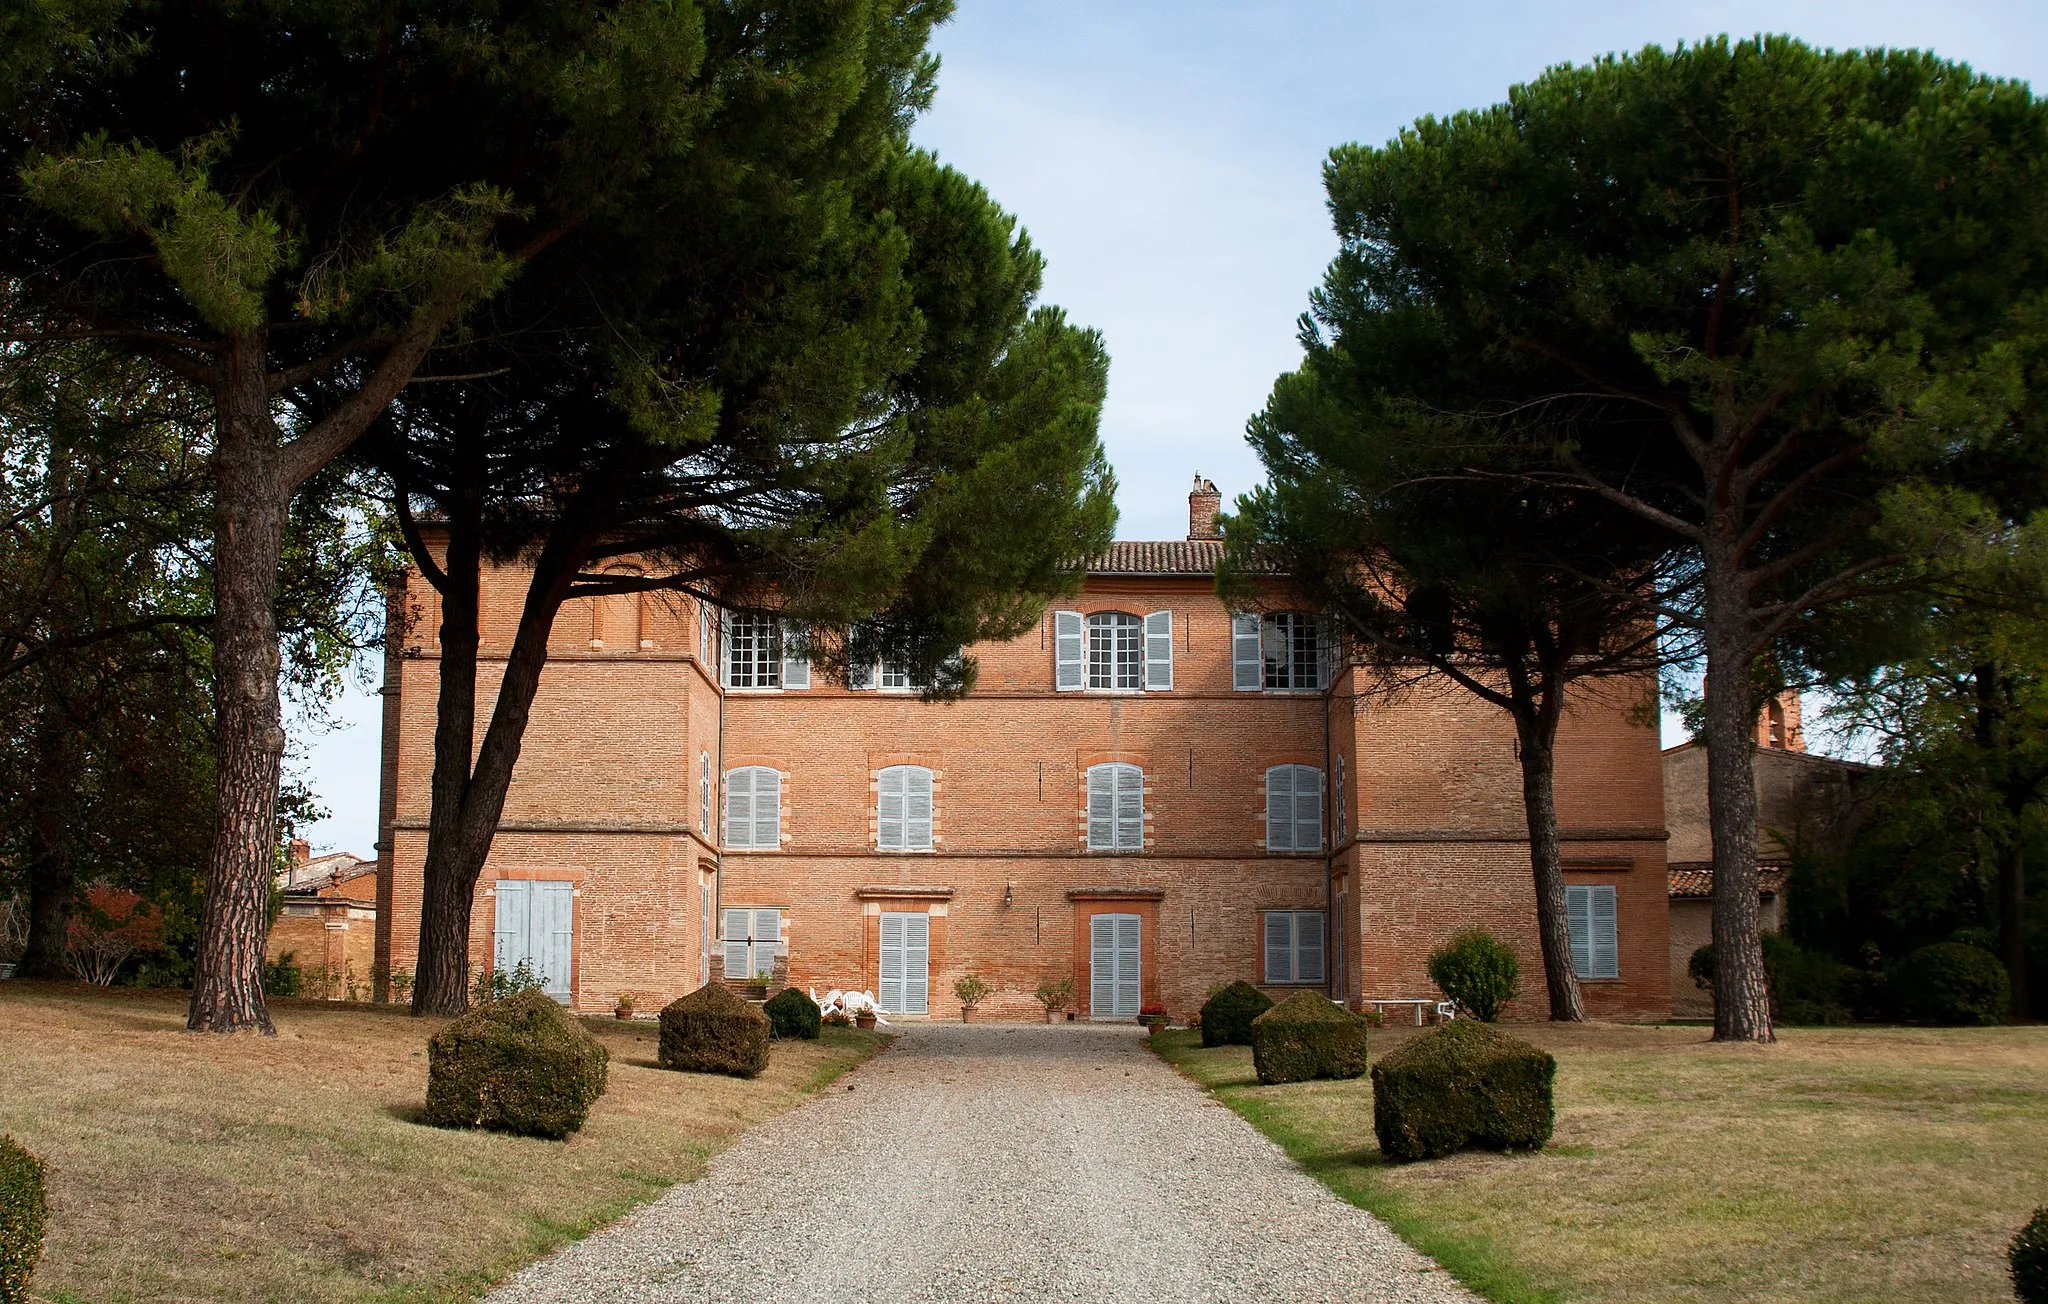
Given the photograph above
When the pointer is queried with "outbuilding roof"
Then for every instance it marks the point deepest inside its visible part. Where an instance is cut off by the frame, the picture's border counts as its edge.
(1696, 883)
(1159, 557)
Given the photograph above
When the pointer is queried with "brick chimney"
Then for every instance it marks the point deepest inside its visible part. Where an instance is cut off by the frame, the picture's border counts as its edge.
(1203, 504)
(1778, 724)
(301, 852)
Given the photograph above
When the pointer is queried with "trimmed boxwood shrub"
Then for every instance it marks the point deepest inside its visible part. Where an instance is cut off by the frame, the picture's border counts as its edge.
(1466, 1084)
(1478, 972)
(792, 1014)
(22, 1212)
(1308, 1036)
(2028, 1255)
(1951, 983)
(1227, 1016)
(523, 1064)
(713, 1031)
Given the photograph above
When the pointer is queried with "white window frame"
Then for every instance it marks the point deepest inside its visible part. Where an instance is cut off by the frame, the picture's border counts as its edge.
(904, 808)
(753, 653)
(1294, 818)
(1116, 652)
(1591, 914)
(1116, 807)
(1295, 945)
(1284, 660)
(745, 788)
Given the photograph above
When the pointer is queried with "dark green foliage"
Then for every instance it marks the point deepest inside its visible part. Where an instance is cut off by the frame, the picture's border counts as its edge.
(1465, 1084)
(1949, 983)
(1227, 1016)
(523, 1064)
(22, 1212)
(793, 1014)
(282, 977)
(1478, 972)
(1307, 1036)
(1806, 986)
(713, 1031)
(2028, 1255)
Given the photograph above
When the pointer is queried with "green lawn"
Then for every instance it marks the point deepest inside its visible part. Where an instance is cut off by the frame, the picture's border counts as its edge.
(1842, 1164)
(246, 1168)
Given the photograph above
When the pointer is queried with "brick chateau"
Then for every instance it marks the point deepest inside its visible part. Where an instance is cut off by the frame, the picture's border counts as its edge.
(1149, 794)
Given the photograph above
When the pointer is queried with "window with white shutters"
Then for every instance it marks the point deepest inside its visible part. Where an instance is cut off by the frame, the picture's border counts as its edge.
(1294, 808)
(904, 963)
(1247, 672)
(1069, 651)
(903, 808)
(704, 934)
(1159, 652)
(753, 808)
(796, 658)
(704, 794)
(753, 938)
(704, 635)
(1114, 978)
(1116, 653)
(1116, 807)
(535, 926)
(1596, 943)
(753, 652)
(1291, 649)
(1294, 946)
(1338, 799)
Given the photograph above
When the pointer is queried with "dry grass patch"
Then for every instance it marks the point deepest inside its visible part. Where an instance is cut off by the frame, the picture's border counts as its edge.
(185, 1167)
(1841, 1164)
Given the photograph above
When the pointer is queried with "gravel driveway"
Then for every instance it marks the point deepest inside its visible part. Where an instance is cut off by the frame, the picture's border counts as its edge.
(997, 1163)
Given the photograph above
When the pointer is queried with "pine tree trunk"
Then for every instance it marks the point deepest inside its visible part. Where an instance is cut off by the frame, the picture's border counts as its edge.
(2012, 916)
(468, 801)
(1538, 739)
(249, 516)
(441, 977)
(1992, 730)
(1742, 1001)
(52, 867)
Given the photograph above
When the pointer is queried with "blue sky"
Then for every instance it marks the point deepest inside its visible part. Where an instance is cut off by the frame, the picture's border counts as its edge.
(1166, 157)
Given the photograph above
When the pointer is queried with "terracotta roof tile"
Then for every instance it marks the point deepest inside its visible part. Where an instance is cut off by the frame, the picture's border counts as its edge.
(1693, 883)
(1160, 557)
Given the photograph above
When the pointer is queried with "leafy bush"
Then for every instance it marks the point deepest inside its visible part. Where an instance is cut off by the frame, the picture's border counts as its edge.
(1949, 983)
(1806, 987)
(282, 977)
(523, 1064)
(2028, 1255)
(1055, 993)
(1478, 972)
(1227, 1016)
(22, 1213)
(793, 1015)
(972, 989)
(713, 1031)
(1308, 1036)
(497, 984)
(1465, 1084)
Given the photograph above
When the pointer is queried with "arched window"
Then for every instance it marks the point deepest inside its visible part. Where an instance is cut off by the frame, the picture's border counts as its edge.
(903, 808)
(1294, 808)
(753, 808)
(1116, 807)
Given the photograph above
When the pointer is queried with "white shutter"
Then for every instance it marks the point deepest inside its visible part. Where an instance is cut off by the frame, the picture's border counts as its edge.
(1102, 808)
(1279, 946)
(1578, 913)
(1159, 652)
(1308, 808)
(1130, 808)
(1606, 944)
(1069, 650)
(1280, 808)
(796, 663)
(703, 933)
(1127, 954)
(704, 796)
(508, 933)
(739, 808)
(889, 991)
(1101, 966)
(917, 960)
(889, 808)
(917, 808)
(767, 939)
(767, 809)
(1308, 946)
(1247, 670)
(860, 676)
(554, 936)
(1338, 795)
(737, 966)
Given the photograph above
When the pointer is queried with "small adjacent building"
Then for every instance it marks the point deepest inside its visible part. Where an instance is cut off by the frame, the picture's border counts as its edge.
(328, 922)
(1148, 793)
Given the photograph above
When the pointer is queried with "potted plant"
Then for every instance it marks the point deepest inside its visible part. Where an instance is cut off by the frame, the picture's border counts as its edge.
(1055, 994)
(757, 986)
(624, 1009)
(972, 990)
(864, 1019)
(1153, 1017)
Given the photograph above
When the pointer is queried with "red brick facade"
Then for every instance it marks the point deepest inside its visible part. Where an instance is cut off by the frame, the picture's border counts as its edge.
(1422, 836)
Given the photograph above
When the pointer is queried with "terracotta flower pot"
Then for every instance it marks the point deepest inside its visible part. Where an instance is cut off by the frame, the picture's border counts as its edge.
(864, 1019)
(966, 1014)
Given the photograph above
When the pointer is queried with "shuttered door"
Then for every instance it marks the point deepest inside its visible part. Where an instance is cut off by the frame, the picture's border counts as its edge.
(738, 964)
(905, 963)
(703, 934)
(552, 944)
(508, 942)
(1114, 947)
